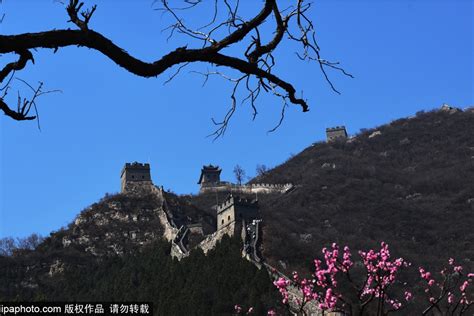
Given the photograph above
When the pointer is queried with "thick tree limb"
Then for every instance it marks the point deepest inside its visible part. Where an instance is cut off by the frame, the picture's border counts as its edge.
(91, 39)
(19, 116)
(25, 55)
(240, 33)
(22, 113)
(280, 30)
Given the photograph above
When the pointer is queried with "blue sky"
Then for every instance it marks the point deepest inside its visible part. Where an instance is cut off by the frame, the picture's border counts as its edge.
(406, 56)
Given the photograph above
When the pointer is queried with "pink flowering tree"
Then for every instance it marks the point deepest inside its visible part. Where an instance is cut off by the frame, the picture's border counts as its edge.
(373, 286)
(358, 294)
(373, 290)
(450, 292)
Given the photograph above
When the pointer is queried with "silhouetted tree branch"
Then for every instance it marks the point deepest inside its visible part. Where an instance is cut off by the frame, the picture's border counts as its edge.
(256, 61)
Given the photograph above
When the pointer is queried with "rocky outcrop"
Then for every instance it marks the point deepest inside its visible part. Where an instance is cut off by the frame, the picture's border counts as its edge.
(120, 223)
(374, 134)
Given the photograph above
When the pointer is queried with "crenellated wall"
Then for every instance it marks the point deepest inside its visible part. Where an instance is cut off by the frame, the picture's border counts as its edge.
(248, 188)
(135, 172)
(336, 133)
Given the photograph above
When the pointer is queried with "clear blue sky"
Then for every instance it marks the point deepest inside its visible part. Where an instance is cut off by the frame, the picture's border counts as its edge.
(406, 56)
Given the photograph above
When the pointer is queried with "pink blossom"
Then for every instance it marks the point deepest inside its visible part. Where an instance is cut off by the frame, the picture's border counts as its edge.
(431, 282)
(450, 298)
(424, 274)
(330, 299)
(451, 261)
(408, 296)
(395, 304)
(281, 283)
(271, 313)
(250, 310)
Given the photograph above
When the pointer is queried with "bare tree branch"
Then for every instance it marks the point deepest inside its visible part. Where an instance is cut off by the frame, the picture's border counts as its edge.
(255, 63)
(73, 9)
(223, 124)
(176, 73)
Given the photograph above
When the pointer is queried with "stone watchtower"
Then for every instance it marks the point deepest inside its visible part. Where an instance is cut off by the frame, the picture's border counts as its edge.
(233, 211)
(210, 175)
(336, 133)
(135, 173)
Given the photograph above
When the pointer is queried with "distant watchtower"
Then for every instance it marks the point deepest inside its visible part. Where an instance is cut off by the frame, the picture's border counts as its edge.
(135, 172)
(234, 210)
(210, 175)
(336, 133)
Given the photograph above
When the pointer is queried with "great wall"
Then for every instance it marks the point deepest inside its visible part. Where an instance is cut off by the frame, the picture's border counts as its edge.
(235, 216)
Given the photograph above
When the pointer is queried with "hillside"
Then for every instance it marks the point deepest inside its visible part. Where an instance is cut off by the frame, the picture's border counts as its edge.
(115, 251)
(410, 184)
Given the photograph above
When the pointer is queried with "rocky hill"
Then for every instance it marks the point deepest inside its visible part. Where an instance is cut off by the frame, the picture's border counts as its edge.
(116, 250)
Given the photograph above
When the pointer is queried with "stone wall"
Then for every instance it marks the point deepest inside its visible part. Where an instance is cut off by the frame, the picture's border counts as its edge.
(248, 188)
(196, 228)
(251, 237)
(170, 230)
(178, 250)
(210, 241)
(336, 133)
(134, 172)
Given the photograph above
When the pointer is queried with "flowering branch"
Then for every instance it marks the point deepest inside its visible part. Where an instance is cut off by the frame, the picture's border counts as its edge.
(380, 271)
